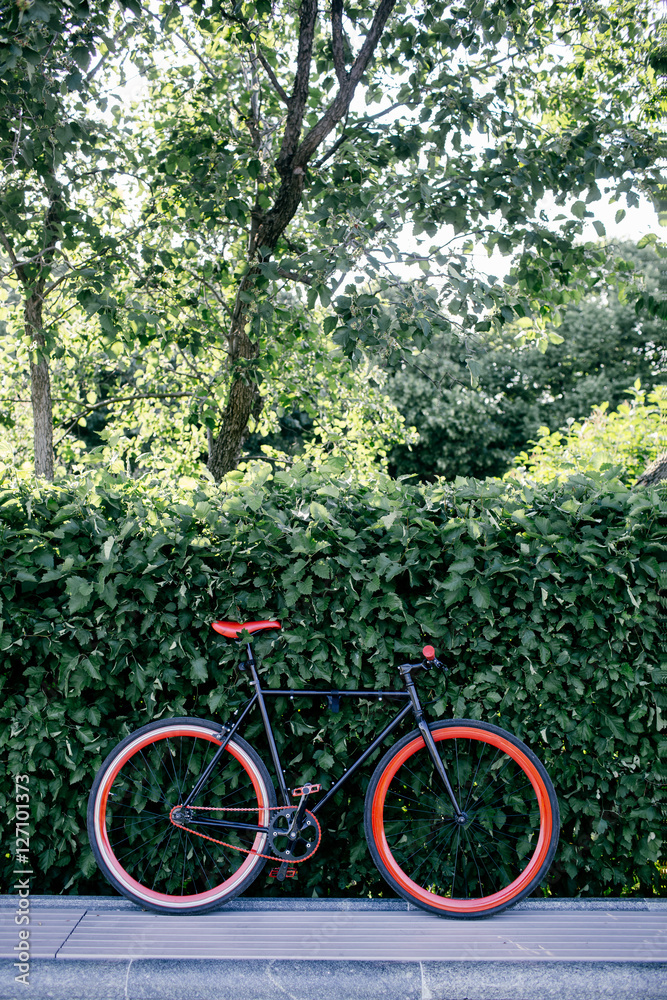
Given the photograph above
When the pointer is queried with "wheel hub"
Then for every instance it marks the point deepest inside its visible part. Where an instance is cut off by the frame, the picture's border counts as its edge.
(180, 815)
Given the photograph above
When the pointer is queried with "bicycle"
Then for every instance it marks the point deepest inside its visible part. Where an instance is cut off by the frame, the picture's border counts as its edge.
(461, 818)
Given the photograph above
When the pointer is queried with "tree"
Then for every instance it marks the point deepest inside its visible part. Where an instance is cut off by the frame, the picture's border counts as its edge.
(141, 406)
(260, 145)
(476, 431)
(255, 141)
(58, 190)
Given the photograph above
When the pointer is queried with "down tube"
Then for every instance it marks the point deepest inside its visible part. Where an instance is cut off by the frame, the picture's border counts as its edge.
(365, 755)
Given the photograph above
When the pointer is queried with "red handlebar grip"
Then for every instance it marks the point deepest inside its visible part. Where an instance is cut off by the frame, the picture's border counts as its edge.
(429, 652)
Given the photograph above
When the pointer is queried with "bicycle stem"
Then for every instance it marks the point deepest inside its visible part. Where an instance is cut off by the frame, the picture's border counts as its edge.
(406, 673)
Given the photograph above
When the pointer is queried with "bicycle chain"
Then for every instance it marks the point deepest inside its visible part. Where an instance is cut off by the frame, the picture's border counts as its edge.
(245, 850)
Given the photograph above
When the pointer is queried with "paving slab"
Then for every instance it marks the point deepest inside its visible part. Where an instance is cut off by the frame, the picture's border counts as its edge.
(330, 980)
(546, 981)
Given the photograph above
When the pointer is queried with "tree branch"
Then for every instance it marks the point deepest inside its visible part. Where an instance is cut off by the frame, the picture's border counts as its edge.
(51, 233)
(20, 263)
(54, 284)
(341, 102)
(110, 48)
(198, 55)
(12, 257)
(212, 290)
(267, 458)
(18, 137)
(293, 276)
(272, 76)
(120, 399)
(297, 102)
(337, 41)
(362, 121)
(334, 149)
(293, 159)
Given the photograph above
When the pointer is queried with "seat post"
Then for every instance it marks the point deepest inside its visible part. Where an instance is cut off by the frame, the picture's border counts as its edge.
(251, 658)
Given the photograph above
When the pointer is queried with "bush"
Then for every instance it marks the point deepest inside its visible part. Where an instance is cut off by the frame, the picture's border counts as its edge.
(628, 438)
(544, 601)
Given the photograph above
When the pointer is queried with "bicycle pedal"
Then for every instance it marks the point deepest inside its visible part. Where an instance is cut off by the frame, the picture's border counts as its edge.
(305, 790)
(283, 872)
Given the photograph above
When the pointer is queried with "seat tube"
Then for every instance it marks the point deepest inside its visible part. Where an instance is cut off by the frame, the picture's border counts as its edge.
(267, 727)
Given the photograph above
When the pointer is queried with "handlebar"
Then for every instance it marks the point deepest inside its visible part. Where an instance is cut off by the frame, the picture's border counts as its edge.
(430, 660)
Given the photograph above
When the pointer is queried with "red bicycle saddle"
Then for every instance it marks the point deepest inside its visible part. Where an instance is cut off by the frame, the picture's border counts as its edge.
(232, 629)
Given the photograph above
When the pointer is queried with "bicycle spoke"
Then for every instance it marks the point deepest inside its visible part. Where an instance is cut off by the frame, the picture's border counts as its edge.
(145, 843)
(493, 760)
(479, 877)
(456, 857)
(148, 821)
(472, 784)
(185, 853)
(506, 764)
(177, 783)
(143, 782)
(493, 860)
(142, 755)
(505, 793)
(117, 842)
(163, 854)
(422, 841)
(497, 832)
(449, 841)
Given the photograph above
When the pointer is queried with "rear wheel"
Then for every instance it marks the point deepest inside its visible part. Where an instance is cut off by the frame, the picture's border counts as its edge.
(489, 859)
(142, 853)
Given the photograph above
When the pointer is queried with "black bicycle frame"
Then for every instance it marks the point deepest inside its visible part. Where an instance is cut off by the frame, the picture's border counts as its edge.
(333, 697)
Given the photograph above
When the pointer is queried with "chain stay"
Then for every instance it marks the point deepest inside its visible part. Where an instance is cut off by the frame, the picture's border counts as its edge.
(235, 847)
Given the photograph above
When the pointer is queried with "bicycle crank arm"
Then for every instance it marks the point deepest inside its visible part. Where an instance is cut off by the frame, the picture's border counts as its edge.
(304, 791)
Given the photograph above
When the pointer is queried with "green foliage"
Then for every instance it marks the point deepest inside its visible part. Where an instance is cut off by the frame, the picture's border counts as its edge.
(547, 123)
(545, 602)
(148, 219)
(146, 409)
(627, 438)
(59, 196)
(602, 347)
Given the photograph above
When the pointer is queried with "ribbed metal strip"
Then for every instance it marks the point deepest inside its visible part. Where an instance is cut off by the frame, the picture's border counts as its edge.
(576, 936)
(48, 930)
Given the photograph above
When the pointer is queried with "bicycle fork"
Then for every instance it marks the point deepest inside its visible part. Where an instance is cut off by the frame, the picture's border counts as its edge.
(423, 727)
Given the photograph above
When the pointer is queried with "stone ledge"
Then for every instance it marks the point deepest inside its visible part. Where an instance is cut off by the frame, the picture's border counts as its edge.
(119, 903)
(339, 980)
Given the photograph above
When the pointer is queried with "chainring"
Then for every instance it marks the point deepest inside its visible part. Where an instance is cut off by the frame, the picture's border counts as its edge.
(299, 847)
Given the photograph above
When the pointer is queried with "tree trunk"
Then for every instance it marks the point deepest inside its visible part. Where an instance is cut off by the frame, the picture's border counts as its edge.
(295, 154)
(40, 392)
(244, 398)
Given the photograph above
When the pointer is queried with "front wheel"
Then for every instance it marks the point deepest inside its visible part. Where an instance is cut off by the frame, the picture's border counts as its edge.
(139, 849)
(497, 853)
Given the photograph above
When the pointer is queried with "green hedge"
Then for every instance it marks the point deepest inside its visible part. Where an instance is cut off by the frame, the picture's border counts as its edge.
(545, 603)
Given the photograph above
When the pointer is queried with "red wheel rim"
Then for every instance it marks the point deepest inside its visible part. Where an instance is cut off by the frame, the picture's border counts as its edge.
(444, 903)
